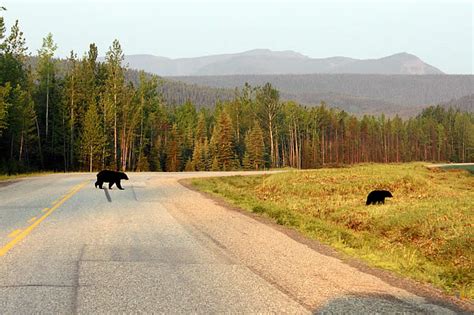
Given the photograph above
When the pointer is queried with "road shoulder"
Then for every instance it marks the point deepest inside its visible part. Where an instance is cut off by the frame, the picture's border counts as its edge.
(431, 294)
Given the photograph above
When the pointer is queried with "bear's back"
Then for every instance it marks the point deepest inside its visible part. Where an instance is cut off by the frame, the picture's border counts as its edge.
(106, 174)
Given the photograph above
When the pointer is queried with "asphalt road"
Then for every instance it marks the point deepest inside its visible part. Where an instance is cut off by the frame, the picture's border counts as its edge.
(67, 247)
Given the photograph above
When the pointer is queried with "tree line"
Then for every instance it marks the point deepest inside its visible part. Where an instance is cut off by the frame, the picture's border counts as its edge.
(82, 114)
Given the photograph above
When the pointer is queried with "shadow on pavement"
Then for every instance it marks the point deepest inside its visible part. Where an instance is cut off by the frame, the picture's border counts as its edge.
(107, 195)
(385, 304)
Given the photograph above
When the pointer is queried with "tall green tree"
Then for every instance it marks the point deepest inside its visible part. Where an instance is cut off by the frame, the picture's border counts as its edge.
(4, 104)
(114, 90)
(255, 148)
(92, 139)
(223, 143)
(174, 151)
(47, 73)
(269, 106)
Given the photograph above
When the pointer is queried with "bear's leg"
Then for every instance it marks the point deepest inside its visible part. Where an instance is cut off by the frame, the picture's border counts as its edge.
(383, 201)
(99, 183)
(118, 185)
(96, 184)
(111, 184)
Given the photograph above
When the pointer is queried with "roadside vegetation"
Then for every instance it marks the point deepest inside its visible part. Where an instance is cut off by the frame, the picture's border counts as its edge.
(4, 177)
(425, 231)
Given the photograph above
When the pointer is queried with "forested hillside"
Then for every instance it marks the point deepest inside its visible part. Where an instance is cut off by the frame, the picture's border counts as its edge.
(356, 93)
(465, 103)
(86, 115)
(176, 92)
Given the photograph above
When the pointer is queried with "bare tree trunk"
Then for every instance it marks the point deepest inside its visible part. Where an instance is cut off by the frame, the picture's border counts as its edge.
(141, 129)
(277, 151)
(64, 144)
(322, 146)
(47, 104)
(71, 153)
(115, 127)
(21, 146)
(90, 160)
(272, 151)
(105, 135)
(39, 142)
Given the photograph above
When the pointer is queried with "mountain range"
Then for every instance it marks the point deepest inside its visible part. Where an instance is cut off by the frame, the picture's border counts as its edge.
(265, 61)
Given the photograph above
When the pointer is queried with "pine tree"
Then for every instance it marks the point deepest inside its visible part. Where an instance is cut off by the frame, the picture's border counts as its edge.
(114, 90)
(47, 72)
(92, 138)
(269, 107)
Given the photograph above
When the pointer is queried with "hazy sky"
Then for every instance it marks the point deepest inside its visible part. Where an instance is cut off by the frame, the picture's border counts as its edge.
(439, 32)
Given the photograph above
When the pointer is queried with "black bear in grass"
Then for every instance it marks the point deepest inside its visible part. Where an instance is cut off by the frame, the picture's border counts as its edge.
(110, 177)
(378, 196)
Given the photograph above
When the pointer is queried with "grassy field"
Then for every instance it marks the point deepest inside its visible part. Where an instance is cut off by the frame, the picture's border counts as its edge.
(426, 231)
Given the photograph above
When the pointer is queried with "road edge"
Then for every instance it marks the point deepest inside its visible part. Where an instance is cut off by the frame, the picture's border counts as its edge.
(427, 291)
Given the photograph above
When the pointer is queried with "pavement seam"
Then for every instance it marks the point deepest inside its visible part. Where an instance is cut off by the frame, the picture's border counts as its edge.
(75, 285)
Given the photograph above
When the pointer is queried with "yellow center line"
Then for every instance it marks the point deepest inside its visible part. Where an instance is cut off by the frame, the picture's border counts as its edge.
(30, 228)
(14, 233)
(32, 219)
(45, 209)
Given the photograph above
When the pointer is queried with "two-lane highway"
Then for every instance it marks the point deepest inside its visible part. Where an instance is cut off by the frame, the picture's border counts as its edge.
(114, 251)
(66, 247)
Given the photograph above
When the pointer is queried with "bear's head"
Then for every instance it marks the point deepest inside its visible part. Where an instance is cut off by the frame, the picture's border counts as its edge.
(387, 194)
(123, 176)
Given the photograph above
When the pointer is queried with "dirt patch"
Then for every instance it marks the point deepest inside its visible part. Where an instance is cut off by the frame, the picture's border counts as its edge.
(4, 183)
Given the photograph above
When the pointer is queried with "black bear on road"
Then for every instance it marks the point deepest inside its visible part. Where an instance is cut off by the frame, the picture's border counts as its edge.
(378, 196)
(110, 177)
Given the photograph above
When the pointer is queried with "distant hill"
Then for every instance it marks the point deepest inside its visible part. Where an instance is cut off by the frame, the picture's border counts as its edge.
(356, 93)
(465, 103)
(264, 61)
(177, 93)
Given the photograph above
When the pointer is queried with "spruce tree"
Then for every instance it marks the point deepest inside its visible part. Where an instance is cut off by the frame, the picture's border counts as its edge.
(173, 152)
(246, 162)
(223, 142)
(255, 147)
(215, 165)
(206, 155)
(197, 157)
(189, 167)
